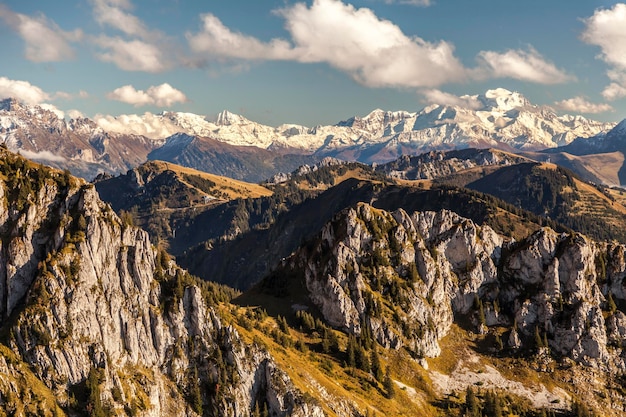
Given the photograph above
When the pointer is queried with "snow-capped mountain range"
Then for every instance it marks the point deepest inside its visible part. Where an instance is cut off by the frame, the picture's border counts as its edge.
(498, 118)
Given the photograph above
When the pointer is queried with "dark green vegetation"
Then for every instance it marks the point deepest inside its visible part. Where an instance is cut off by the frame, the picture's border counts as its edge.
(557, 194)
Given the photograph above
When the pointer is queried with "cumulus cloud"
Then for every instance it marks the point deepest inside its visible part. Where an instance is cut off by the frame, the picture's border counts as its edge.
(163, 95)
(607, 29)
(131, 55)
(75, 114)
(521, 65)
(582, 105)
(22, 90)
(45, 41)
(148, 125)
(69, 96)
(434, 96)
(375, 52)
(137, 48)
(217, 39)
(114, 13)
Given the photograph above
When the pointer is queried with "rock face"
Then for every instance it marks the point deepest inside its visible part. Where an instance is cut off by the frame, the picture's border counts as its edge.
(84, 298)
(403, 279)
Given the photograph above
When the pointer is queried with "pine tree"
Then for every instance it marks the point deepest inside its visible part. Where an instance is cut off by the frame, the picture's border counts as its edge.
(195, 397)
(362, 361)
(377, 370)
(471, 403)
(388, 384)
(351, 352)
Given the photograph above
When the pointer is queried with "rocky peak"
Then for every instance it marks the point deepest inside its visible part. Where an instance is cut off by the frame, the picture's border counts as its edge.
(226, 118)
(436, 266)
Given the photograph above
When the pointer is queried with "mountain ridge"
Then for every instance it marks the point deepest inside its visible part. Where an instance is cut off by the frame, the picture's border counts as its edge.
(499, 118)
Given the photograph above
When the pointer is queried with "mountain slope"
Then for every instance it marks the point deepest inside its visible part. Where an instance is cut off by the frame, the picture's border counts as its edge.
(98, 323)
(165, 199)
(409, 281)
(245, 163)
(556, 193)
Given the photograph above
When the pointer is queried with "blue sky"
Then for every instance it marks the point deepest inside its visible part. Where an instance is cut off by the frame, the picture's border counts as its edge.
(313, 62)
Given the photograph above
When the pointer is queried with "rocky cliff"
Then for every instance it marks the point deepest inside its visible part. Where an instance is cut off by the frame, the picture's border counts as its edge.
(104, 324)
(404, 279)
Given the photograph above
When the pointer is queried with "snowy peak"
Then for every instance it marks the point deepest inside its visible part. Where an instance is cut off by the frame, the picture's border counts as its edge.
(503, 99)
(227, 118)
(376, 120)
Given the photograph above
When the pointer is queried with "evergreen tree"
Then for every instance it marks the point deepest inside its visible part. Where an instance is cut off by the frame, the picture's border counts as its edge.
(351, 352)
(471, 403)
(195, 397)
(362, 361)
(377, 370)
(388, 384)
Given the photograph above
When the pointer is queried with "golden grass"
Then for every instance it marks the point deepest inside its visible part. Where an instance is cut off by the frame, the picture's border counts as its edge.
(233, 188)
(310, 374)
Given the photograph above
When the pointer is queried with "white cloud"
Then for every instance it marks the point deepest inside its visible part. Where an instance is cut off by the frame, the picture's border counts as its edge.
(163, 95)
(114, 14)
(217, 39)
(613, 91)
(131, 55)
(138, 48)
(42, 156)
(147, 125)
(582, 105)
(520, 65)
(373, 51)
(75, 114)
(22, 90)
(70, 96)
(434, 96)
(607, 29)
(45, 41)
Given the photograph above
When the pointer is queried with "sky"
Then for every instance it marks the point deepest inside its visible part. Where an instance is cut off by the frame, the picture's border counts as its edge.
(310, 62)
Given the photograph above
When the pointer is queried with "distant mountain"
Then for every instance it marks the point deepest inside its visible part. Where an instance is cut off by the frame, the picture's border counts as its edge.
(611, 141)
(440, 164)
(246, 163)
(498, 118)
(78, 145)
(603, 153)
(235, 146)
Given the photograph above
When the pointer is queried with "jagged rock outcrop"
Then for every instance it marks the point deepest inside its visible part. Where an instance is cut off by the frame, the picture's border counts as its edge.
(103, 323)
(403, 279)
